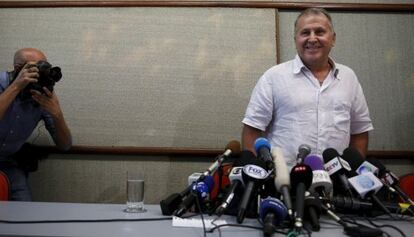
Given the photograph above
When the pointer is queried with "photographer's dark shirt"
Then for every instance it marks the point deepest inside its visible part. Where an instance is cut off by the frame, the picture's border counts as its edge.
(19, 121)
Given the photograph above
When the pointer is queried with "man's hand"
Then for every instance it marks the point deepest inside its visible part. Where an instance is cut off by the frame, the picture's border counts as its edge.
(47, 101)
(28, 74)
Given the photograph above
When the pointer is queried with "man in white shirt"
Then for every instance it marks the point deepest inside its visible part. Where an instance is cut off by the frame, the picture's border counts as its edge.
(309, 100)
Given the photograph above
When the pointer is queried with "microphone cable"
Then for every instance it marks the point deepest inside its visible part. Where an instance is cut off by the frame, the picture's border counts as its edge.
(386, 225)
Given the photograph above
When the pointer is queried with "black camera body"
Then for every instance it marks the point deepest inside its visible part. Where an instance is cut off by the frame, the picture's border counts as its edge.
(48, 76)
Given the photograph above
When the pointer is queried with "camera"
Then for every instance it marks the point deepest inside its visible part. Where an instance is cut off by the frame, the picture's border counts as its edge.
(48, 76)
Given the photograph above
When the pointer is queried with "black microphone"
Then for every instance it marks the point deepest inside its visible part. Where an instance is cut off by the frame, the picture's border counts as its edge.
(262, 148)
(303, 151)
(366, 184)
(338, 169)
(390, 178)
(313, 211)
(254, 174)
(301, 180)
(272, 212)
(171, 203)
(282, 178)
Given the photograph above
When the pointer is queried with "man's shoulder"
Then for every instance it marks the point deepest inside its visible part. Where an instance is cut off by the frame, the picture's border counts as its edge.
(281, 68)
(344, 69)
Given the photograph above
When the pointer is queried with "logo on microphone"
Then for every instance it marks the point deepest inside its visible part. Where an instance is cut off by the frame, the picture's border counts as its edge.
(255, 171)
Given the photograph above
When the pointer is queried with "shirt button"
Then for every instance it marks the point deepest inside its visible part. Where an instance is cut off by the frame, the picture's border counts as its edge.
(17, 116)
(4, 144)
(11, 131)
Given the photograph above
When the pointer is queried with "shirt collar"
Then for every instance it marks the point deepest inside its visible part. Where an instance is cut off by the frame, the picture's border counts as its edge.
(298, 65)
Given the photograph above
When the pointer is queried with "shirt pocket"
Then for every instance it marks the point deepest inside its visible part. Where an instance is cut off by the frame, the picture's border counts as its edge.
(342, 116)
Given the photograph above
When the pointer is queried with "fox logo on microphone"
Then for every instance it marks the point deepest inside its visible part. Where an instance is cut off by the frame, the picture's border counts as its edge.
(255, 171)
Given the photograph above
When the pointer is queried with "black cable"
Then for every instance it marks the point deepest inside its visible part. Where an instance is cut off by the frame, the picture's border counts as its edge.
(218, 229)
(92, 220)
(201, 214)
(389, 226)
(234, 225)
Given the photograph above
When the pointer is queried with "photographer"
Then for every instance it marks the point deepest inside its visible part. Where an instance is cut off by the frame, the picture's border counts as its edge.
(20, 112)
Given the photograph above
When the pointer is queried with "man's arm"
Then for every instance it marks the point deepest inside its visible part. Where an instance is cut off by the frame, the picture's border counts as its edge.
(27, 75)
(360, 142)
(249, 136)
(50, 102)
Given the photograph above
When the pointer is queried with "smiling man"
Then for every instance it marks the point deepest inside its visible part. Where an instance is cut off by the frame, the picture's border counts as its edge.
(309, 100)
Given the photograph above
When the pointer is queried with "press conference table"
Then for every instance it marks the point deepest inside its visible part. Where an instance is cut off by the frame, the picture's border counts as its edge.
(40, 211)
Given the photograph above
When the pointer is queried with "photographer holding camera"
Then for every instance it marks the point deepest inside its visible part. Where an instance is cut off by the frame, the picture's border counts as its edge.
(24, 101)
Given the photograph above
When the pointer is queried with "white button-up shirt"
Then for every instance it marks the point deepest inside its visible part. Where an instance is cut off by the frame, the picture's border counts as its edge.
(291, 106)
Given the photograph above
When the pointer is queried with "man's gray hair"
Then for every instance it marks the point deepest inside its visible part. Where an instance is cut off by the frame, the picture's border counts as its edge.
(315, 11)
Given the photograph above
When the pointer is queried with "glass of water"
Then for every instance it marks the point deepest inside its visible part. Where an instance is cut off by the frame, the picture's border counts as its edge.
(135, 194)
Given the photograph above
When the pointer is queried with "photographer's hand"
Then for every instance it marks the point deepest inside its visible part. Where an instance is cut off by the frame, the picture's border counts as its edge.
(28, 74)
(50, 103)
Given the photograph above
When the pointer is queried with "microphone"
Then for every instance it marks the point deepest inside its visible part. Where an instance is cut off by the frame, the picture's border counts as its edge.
(233, 147)
(321, 182)
(338, 169)
(262, 148)
(199, 189)
(171, 203)
(282, 179)
(301, 178)
(272, 213)
(390, 179)
(365, 183)
(236, 179)
(253, 175)
(313, 211)
(303, 151)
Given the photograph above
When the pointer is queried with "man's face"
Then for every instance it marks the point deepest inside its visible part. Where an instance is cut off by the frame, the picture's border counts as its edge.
(28, 56)
(314, 39)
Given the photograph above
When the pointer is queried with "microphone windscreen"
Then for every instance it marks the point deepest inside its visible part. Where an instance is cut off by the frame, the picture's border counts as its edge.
(379, 165)
(353, 157)
(282, 172)
(315, 162)
(234, 146)
(261, 142)
(329, 154)
(301, 173)
(246, 157)
(273, 205)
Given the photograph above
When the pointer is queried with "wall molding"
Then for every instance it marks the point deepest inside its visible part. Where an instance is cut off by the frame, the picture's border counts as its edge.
(236, 4)
(194, 152)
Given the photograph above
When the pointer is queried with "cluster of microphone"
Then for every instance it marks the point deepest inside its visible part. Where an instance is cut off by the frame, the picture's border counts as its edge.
(262, 186)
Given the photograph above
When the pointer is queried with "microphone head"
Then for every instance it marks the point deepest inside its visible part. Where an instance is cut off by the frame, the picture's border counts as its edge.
(234, 146)
(204, 186)
(353, 157)
(282, 173)
(261, 142)
(275, 206)
(379, 165)
(329, 154)
(246, 157)
(301, 173)
(304, 150)
(315, 162)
